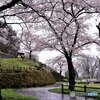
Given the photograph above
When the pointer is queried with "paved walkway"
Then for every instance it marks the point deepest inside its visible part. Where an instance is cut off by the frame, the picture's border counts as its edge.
(42, 94)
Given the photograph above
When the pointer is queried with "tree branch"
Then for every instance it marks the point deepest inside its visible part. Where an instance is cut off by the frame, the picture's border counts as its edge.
(9, 5)
(76, 35)
(63, 4)
(87, 44)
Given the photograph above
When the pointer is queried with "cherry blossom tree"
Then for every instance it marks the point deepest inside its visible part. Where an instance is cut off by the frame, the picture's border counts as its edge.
(65, 30)
(29, 42)
(63, 22)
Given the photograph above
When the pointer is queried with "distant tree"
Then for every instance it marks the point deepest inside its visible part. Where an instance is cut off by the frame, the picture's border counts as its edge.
(29, 42)
(9, 41)
(98, 69)
(58, 64)
(88, 66)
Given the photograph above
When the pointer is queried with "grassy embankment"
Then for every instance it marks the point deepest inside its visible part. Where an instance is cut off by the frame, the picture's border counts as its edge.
(17, 62)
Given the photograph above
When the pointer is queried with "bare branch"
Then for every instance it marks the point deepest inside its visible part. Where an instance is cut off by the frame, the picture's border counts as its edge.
(9, 5)
(63, 4)
(87, 43)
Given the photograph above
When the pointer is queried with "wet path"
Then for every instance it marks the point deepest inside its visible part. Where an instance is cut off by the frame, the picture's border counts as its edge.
(42, 94)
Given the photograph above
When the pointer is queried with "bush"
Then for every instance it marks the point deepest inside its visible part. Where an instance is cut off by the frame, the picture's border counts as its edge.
(26, 79)
(57, 76)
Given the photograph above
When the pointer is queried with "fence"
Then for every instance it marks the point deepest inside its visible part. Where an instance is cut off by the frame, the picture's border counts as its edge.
(83, 90)
(15, 69)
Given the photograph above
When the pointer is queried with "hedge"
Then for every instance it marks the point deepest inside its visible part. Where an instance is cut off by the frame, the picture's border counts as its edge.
(26, 79)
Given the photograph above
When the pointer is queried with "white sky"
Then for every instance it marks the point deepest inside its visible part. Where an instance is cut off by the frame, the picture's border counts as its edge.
(46, 55)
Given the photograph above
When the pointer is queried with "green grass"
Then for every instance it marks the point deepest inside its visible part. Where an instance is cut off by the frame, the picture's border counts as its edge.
(8, 94)
(96, 85)
(58, 90)
(17, 62)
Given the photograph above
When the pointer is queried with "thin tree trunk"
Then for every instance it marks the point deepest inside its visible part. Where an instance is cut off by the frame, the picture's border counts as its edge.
(71, 74)
(60, 72)
(30, 55)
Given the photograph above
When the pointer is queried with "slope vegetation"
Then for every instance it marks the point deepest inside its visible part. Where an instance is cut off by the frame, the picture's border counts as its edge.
(17, 72)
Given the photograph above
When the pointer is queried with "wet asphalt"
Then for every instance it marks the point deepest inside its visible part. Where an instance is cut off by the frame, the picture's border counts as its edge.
(42, 93)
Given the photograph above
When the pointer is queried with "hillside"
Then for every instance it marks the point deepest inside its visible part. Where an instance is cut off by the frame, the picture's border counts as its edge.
(17, 72)
(27, 74)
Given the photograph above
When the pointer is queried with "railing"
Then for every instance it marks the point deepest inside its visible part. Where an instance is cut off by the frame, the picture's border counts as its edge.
(83, 90)
(15, 69)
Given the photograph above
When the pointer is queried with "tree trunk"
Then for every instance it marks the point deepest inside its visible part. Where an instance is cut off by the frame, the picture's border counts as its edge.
(30, 55)
(71, 72)
(60, 72)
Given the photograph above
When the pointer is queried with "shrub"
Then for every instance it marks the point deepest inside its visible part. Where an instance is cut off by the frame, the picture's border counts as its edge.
(57, 76)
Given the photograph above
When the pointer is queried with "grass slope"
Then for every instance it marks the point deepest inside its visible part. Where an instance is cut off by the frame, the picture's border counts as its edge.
(20, 77)
(17, 62)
